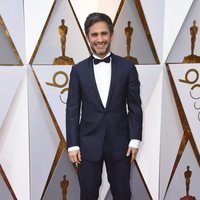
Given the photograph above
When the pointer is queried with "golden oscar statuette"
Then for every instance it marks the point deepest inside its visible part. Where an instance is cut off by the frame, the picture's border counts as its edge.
(64, 186)
(192, 58)
(63, 60)
(187, 174)
(128, 33)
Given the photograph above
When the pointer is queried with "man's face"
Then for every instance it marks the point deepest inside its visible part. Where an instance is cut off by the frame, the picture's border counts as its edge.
(99, 38)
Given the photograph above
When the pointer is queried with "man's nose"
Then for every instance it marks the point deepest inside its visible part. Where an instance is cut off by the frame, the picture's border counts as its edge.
(99, 38)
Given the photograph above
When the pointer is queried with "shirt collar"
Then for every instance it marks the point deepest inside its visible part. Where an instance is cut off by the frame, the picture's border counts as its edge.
(95, 56)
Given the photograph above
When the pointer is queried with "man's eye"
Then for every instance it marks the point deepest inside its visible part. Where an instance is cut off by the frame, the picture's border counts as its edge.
(104, 33)
(94, 35)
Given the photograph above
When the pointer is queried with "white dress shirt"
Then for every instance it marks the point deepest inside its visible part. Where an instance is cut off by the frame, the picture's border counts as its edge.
(102, 73)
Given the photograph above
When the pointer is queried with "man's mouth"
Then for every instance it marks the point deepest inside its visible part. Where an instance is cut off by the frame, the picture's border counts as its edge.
(100, 44)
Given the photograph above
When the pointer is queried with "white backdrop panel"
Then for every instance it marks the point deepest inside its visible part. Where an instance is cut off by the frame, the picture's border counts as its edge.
(148, 76)
(174, 18)
(148, 157)
(54, 81)
(7, 55)
(187, 81)
(154, 14)
(50, 46)
(44, 139)
(14, 143)
(54, 190)
(84, 8)
(4, 191)
(8, 73)
(12, 12)
(140, 47)
(35, 15)
(177, 187)
(171, 134)
(182, 45)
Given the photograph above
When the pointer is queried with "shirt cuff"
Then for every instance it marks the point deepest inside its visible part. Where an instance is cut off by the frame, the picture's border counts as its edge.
(74, 148)
(134, 143)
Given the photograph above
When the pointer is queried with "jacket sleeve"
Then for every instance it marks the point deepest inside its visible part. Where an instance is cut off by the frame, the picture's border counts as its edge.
(73, 110)
(134, 105)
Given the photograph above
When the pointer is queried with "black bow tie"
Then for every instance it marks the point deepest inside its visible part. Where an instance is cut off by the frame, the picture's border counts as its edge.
(97, 61)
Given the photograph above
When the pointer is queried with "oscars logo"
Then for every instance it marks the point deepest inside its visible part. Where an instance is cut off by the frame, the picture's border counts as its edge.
(55, 83)
(192, 58)
(187, 174)
(64, 186)
(63, 60)
(128, 33)
(192, 78)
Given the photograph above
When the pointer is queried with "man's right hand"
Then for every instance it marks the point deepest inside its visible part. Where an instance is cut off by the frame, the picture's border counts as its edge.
(75, 156)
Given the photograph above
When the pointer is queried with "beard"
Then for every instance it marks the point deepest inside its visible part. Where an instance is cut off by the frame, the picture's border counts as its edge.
(101, 53)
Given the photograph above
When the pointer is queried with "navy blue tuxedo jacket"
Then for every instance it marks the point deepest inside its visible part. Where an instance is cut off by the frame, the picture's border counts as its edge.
(114, 124)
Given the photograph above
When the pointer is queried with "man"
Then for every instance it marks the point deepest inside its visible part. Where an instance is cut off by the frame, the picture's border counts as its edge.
(106, 131)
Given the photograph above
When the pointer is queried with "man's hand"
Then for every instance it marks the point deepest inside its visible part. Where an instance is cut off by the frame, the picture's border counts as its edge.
(133, 152)
(75, 156)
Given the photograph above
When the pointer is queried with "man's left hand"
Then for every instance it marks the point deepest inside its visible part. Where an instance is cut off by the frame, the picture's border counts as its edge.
(132, 152)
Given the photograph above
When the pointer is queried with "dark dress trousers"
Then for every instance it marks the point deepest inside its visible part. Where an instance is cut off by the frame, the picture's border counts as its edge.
(103, 131)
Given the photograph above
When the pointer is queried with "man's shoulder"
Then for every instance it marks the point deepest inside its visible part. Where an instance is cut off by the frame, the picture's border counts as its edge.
(82, 64)
(123, 61)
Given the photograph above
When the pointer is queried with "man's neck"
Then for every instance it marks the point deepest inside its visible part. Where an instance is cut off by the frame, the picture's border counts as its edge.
(96, 56)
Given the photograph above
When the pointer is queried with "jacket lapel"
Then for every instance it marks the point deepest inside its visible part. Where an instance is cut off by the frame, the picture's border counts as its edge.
(92, 80)
(114, 71)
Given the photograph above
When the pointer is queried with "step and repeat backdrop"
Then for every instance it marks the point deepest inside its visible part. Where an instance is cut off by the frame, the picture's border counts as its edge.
(40, 41)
